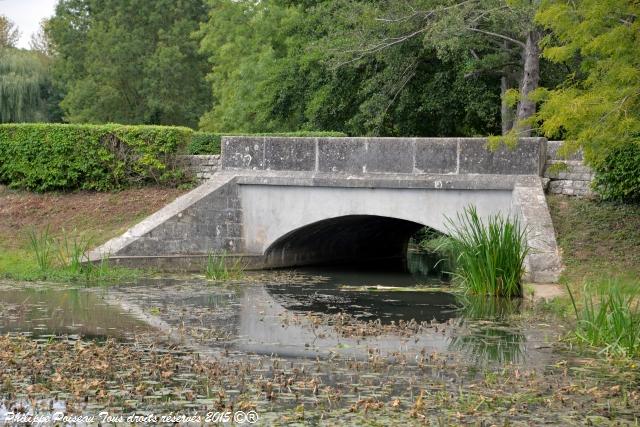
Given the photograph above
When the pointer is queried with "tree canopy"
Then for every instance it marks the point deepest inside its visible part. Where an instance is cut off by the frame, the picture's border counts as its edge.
(9, 33)
(26, 91)
(130, 61)
(272, 71)
(598, 106)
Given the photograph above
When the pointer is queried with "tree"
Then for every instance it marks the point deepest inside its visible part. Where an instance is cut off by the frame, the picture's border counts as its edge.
(9, 33)
(490, 36)
(597, 108)
(24, 86)
(130, 61)
(271, 71)
(40, 40)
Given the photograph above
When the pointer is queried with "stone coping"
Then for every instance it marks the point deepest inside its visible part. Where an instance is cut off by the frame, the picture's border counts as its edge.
(447, 156)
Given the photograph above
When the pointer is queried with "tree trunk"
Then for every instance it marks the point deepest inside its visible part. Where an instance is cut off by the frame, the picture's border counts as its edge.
(506, 111)
(530, 78)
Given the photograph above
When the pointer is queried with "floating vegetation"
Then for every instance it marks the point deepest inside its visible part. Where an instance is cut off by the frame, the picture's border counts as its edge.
(381, 288)
(235, 347)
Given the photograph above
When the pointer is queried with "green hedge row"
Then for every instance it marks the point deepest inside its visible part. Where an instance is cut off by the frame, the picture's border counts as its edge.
(45, 157)
(48, 157)
(209, 143)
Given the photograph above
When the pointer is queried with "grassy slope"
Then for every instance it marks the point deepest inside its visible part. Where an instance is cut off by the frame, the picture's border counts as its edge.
(96, 216)
(599, 240)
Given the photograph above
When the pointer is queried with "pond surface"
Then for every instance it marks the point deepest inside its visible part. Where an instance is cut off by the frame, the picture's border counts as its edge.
(303, 313)
(341, 336)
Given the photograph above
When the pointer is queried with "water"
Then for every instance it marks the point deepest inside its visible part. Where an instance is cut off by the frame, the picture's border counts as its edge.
(302, 313)
(328, 339)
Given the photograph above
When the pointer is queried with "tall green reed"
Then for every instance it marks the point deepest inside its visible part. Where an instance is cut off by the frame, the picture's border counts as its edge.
(218, 268)
(488, 257)
(609, 318)
(43, 247)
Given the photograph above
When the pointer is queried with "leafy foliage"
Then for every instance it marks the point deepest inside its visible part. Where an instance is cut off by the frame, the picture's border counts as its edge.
(129, 62)
(26, 90)
(618, 175)
(271, 73)
(596, 108)
(9, 33)
(45, 157)
(204, 143)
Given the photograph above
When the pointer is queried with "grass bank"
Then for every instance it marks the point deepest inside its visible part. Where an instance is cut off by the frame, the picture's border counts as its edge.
(598, 240)
(86, 216)
(600, 244)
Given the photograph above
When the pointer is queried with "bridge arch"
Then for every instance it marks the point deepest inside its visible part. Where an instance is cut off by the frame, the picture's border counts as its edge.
(344, 239)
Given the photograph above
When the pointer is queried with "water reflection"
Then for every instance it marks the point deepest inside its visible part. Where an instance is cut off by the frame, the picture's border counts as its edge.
(486, 334)
(65, 311)
(291, 314)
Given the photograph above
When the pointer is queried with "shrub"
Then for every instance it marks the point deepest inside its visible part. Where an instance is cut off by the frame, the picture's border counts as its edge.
(204, 143)
(617, 177)
(488, 258)
(45, 157)
(209, 143)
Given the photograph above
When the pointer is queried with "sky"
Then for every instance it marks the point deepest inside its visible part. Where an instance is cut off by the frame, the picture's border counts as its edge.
(27, 14)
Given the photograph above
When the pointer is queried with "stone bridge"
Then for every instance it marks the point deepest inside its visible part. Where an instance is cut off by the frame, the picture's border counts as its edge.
(280, 202)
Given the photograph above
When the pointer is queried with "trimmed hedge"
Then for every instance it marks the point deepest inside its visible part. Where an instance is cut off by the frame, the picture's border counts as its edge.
(46, 157)
(209, 143)
(617, 177)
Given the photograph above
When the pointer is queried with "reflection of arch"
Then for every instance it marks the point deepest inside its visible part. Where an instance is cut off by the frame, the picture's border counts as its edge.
(350, 238)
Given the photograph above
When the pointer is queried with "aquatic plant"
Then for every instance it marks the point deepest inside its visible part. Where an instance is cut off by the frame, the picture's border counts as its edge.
(488, 258)
(72, 250)
(42, 246)
(64, 259)
(218, 267)
(608, 318)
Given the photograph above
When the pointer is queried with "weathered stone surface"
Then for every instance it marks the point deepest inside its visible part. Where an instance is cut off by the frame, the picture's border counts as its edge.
(436, 155)
(383, 155)
(243, 152)
(554, 149)
(391, 155)
(526, 158)
(569, 177)
(293, 154)
(543, 262)
(346, 155)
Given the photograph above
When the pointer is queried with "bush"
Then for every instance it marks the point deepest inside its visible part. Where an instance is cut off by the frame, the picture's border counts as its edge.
(209, 143)
(204, 143)
(617, 177)
(45, 157)
(488, 258)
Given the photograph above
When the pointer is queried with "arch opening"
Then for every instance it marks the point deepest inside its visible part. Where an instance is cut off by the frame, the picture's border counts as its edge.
(356, 240)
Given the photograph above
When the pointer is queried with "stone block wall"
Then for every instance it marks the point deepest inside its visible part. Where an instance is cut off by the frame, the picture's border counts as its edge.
(568, 176)
(573, 178)
(359, 156)
(203, 167)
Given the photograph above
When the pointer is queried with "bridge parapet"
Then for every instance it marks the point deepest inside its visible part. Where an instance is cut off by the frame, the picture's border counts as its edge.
(445, 156)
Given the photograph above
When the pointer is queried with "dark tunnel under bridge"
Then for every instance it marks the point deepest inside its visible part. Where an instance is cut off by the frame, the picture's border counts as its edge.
(351, 239)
